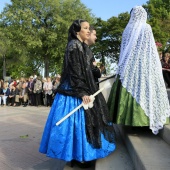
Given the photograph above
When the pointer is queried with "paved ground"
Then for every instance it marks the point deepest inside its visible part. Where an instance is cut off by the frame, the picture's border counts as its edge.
(20, 133)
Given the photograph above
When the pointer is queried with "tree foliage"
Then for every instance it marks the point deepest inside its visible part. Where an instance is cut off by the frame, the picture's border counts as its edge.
(110, 32)
(159, 19)
(109, 37)
(38, 31)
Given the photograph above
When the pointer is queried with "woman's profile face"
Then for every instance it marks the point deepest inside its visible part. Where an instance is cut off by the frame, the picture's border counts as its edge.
(84, 32)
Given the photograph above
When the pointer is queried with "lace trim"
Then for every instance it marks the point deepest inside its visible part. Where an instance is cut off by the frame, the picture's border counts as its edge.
(141, 74)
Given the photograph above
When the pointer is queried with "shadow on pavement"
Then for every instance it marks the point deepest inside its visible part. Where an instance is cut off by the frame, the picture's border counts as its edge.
(51, 164)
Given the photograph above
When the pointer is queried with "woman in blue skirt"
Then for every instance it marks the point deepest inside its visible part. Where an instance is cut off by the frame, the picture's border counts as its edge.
(87, 134)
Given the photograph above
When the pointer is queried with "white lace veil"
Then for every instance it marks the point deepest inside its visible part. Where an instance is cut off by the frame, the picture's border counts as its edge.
(140, 69)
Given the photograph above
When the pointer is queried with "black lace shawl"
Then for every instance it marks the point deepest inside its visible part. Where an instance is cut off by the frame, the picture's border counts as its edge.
(78, 76)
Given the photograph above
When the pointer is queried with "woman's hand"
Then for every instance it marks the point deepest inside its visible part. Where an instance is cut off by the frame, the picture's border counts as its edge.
(165, 69)
(86, 99)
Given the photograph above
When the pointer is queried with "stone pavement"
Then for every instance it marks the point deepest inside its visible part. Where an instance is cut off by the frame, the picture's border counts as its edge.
(20, 134)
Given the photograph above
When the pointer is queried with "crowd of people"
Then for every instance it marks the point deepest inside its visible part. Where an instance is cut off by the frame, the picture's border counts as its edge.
(33, 91)
(36, 91)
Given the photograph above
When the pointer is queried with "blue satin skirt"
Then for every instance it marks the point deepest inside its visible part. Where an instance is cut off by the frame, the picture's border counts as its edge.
(68, 140)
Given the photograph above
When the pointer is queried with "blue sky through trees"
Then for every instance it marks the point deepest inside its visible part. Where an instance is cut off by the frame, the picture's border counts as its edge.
(104, 9)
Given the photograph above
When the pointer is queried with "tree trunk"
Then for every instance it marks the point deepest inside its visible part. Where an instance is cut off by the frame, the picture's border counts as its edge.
(4, 67)
(46, 62)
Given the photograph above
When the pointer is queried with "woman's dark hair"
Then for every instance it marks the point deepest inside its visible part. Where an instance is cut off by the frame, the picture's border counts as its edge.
(131, 11)
(74, 28)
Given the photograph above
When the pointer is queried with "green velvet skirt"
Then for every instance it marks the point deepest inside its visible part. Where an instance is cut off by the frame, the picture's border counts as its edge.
(124, 109)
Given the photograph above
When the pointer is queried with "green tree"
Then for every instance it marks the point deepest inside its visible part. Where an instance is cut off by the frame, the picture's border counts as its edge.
(38, 31)
(4, 46)
(109, 34)
(159, 19)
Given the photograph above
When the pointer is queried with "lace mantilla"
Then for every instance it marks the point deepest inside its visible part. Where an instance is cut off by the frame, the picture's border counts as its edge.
(141, 72)
(138, 15)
